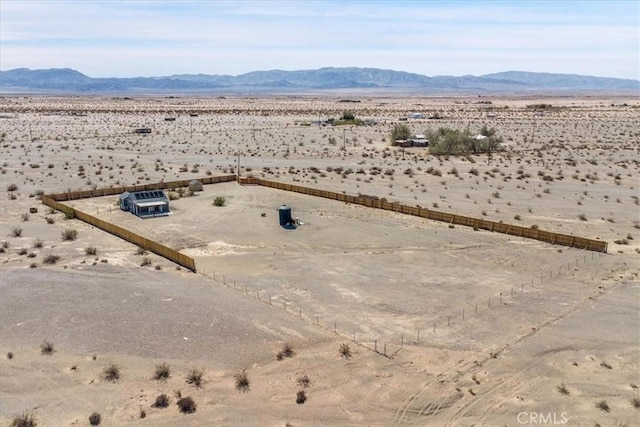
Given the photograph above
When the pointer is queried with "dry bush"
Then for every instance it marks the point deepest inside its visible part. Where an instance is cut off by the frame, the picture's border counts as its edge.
(111, 373)
(162, 372)
(26, 419)
(162, 401)
(345, 350)
(16, 231)
(563, 389)
(145, 262)
(603, 405)
(46, 348)
(95, 419)
(287, 351)
(90, 250)
(304, 381)
(242, 381)
(187, 405)
(301, 397)
(51, 259)
(635, 402)
(195, 377)
(38, 244)
(69, 234)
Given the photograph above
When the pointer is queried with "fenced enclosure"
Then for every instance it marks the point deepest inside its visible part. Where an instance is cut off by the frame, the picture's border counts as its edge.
(476, 223)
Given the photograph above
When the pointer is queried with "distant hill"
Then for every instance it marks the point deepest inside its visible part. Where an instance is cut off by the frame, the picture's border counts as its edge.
(65, 80)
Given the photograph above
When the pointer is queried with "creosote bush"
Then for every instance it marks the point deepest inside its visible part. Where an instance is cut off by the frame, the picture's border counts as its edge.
(111, 373)
(195, 377)
(26, 419)
(46, 348)
(90, 250)
(162, 372)
(287, 351)
(51, 259)
(95, 419)
(162, 401)
(69, 234)
(345, 350)
(242, 381)
(186, 405)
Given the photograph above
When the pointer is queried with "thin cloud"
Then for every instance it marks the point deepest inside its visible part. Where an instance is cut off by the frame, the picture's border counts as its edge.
(240, 36)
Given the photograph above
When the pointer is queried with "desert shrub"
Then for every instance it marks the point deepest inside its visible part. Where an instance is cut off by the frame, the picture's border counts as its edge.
(10, 355)
(51, 259)
(16, 231)
(24, 217)
(187, 405)
(38, 243)
(95, 419)
(140, 251)
(304, 381)
(162, 401)
(563, 389)
(22, 251)
(90, 250)
(517, 217)
(51, 220)
(69, 234)
(26, 419)
(143, 413)
(301, 397)
(635, 402)
(195, 377)
(146, 261)
(219, 201)
(400, 131)
(603, 405)
(582, 217)
(12, 187)
(46, 348)
(242, 381)
(345, 350)
(111, 373)
(162, 372)
(287, 351)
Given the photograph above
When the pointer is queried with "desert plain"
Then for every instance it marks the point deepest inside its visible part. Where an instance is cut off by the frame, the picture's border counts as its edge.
(376, 318)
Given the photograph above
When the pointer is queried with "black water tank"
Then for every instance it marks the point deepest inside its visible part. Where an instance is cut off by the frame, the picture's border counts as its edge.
(285, 215)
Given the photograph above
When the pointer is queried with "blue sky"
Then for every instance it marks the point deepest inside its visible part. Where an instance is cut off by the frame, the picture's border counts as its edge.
(157, 38)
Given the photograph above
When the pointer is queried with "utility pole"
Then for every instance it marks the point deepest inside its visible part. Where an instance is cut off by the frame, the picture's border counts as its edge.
(344, 139)
(238, 170)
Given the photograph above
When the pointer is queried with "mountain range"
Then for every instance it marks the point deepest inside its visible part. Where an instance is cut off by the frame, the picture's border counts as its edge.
(65, 80)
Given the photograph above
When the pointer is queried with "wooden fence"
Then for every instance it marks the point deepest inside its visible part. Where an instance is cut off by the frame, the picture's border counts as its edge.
(483, 224)
(110, 191)
(123, 233)
(53, 201)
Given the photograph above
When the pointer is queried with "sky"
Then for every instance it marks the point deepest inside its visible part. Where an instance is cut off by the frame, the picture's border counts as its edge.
(160, 38)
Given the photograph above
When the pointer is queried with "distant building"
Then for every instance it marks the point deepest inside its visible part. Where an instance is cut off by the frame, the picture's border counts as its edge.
(416, 116)
(145, 204)
(142, 130)
(417, 141)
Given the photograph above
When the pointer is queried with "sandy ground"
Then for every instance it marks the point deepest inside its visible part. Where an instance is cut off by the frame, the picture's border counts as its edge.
(482, 328)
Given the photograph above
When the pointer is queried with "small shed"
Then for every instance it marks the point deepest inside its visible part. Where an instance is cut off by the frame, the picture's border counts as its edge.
(145, 204)
(195, 185)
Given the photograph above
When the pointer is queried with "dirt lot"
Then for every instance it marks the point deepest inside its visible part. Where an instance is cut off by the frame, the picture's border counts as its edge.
(483, 328)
